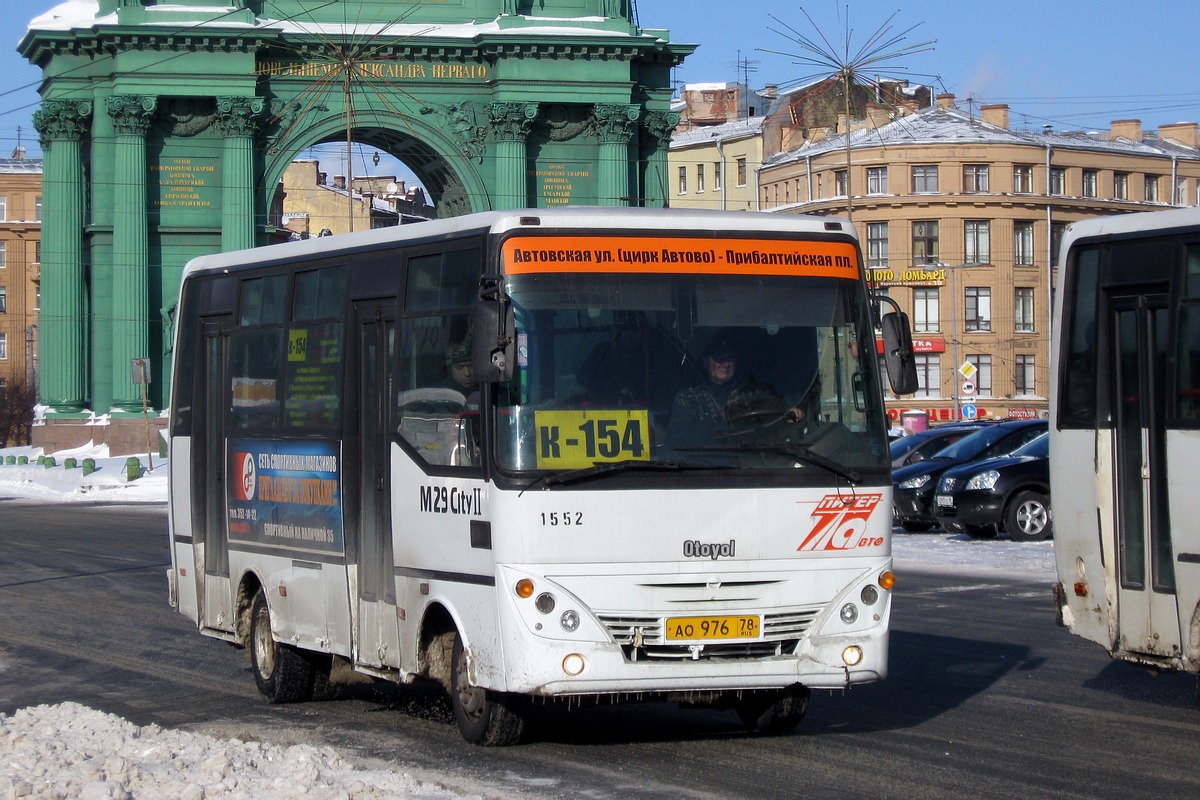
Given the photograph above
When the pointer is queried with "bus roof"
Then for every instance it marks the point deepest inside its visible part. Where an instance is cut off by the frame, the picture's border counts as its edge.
(1138, 222)
(572, 217)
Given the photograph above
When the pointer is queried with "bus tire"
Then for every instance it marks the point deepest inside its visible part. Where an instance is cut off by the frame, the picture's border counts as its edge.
(773, 713)
(483, 717)
(1027, 518)
(282, 673)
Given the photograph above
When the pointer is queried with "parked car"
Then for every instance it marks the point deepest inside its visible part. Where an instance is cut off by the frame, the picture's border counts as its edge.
(1010, 493)
(913, 486)
(922, 444)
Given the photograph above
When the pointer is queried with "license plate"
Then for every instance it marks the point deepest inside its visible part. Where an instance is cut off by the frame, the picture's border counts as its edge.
(945, 501)
(682, 629)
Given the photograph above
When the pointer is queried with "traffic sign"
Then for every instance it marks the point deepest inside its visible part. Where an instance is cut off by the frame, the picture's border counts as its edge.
(968, 388)
(969, 411)
(967, 370)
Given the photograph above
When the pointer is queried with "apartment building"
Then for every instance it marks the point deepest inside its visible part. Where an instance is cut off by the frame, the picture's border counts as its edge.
(960, 219)
(20, 268)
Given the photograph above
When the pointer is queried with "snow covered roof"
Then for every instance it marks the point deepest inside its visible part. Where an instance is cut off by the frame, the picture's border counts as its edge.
(77, 14)
(953, 126)
(701, 134)
(21, 166)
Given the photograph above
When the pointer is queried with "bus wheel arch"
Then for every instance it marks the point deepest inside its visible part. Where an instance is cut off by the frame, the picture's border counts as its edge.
(438, 632)
(248, 589)
(1193, 647)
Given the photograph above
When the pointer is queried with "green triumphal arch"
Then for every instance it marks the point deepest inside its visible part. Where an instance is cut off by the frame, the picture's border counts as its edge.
(166, 129)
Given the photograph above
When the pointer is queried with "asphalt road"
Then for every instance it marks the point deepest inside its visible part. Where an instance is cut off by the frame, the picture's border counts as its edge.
(986, 696)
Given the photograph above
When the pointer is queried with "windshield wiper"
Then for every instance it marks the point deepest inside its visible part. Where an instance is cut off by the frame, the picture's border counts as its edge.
(614, 467)
(794, 450)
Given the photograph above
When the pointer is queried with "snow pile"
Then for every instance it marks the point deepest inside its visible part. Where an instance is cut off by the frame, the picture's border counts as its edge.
(71, 751)
(108, 483)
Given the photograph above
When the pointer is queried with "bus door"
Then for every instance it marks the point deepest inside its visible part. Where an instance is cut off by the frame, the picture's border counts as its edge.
(210, 464)
(1147, 613)
(376, 635)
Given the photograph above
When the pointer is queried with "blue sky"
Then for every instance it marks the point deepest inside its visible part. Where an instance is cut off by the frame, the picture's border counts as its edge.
(1069, 63)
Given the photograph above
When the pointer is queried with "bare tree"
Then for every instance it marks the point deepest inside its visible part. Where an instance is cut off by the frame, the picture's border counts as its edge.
(16, 413)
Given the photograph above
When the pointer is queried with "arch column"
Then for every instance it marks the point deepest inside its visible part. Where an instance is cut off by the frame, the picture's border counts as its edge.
(61, 126)
(131, 117)
(238, 120)
(657, 127)
(510, 126)
(615, 123)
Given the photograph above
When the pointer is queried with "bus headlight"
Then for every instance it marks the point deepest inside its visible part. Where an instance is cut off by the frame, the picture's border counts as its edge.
(544, 602)
(569, 621)
(869, 595)
(849, 613)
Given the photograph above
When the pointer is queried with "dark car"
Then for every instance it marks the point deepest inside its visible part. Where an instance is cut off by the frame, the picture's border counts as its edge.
(921, 445)
(1010, 493)
(912, 486)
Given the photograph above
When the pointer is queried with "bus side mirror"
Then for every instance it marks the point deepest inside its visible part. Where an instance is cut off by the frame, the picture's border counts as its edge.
(493, 339)
(898, 352)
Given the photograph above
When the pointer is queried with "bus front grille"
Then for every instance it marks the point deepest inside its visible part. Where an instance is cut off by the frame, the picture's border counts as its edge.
(641, 638)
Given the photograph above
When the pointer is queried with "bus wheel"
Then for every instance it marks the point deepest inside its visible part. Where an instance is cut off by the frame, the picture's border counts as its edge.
(773, 712)
(1027, 518)
(483, 717)
(282, 673)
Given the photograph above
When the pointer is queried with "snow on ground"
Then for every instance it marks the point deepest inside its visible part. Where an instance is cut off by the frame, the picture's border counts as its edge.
(68, 750)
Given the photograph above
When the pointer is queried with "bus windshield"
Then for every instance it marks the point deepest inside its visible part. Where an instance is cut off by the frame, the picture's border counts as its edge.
(687, 370)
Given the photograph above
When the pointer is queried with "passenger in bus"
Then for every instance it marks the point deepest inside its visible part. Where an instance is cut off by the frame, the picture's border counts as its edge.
(728, 402)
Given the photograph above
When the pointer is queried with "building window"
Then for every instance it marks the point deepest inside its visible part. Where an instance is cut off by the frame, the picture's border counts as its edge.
(979, 309)
(978, 241)
(37, 208)
(3, 347)
(983, 374)
(1180, 192)
(1089, 183)
(1151, 188)
(877, 244)
(1058, 180)
(3, 255)
(3, 299)
(1023, 378)
(1022, 178)
(683, 180)
(1023, 243)
(925, 242)
(975, 177)
(37, 252)
(841, 184)
(699, 178)
(3, 208)
(928, 375)
(741, 172)
(1023, 309)
(925, 309)
(877, 182)
(925, 178)
(1057, 229)
(1121, 185)
(717, 175)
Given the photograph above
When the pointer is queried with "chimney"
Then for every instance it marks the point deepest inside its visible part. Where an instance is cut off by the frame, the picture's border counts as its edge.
(996, 114)
(877, 117)
(945, 100)
(321, 178)
(1130, 129)
(339, 181)
(1185, 133)
(770, 91)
